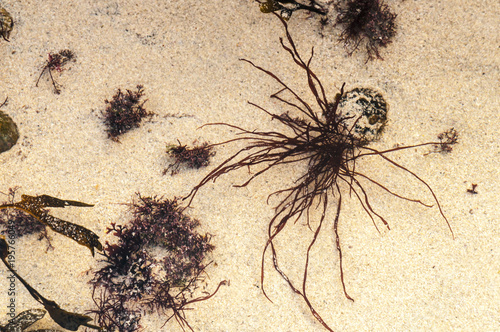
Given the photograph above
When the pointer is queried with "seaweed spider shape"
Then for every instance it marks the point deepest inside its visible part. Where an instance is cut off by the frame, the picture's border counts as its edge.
(35, 206)
(56, 61)
(329, 145)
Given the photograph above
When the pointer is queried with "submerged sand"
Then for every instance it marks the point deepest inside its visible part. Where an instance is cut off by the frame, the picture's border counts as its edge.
(441, 71)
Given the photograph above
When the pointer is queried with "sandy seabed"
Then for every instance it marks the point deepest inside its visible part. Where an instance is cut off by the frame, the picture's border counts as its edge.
(441, 71)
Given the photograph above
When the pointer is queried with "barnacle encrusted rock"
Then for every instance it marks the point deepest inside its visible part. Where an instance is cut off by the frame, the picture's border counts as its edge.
(367, 109)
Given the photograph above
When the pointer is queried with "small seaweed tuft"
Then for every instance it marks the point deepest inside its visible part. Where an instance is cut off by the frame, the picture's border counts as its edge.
(124, 112)
(370, 20)
(447, 139)
(56, 62)
(472, 190)
(112, 314)
(157, 261)
(193, 157)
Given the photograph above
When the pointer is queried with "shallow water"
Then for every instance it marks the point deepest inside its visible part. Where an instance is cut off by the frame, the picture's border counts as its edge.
(441, 71)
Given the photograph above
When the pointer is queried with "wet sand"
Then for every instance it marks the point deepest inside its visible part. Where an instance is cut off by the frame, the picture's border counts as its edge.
(441, 71)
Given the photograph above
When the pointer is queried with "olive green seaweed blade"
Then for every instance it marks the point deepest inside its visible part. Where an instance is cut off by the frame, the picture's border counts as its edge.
(24, 320)
(78, 233)
(35, 206)
(49, 201)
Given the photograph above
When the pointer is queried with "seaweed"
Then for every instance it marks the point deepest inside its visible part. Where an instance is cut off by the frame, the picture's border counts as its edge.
(447, 139)
(56, 62)
(18, 224)
(193, 157)
(287, 7)
(325, 140)
(473, 190)
(133, 275)
(112, 312)
(370, 20)
(124, 112)
(68, 320)
(35, 206)
(24, 320)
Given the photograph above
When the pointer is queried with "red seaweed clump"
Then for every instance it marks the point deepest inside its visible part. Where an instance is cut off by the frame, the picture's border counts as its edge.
(56, 61)
(192, 157)
(366, 20)
(156, 261)
(124, 112)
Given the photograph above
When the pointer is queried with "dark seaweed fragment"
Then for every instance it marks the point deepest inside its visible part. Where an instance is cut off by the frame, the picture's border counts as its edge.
(56, 61)
(193, 157)
(287, 7)
(124, 112)
(132, 275)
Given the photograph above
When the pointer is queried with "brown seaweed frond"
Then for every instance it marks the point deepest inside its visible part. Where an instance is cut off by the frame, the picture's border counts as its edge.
(36, 207)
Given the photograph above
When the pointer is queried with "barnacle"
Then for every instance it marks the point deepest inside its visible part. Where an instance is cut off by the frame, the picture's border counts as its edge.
(367, 110)
(35, 206)
(6, 24)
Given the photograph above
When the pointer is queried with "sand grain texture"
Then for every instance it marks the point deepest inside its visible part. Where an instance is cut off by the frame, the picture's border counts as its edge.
(441, 71)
